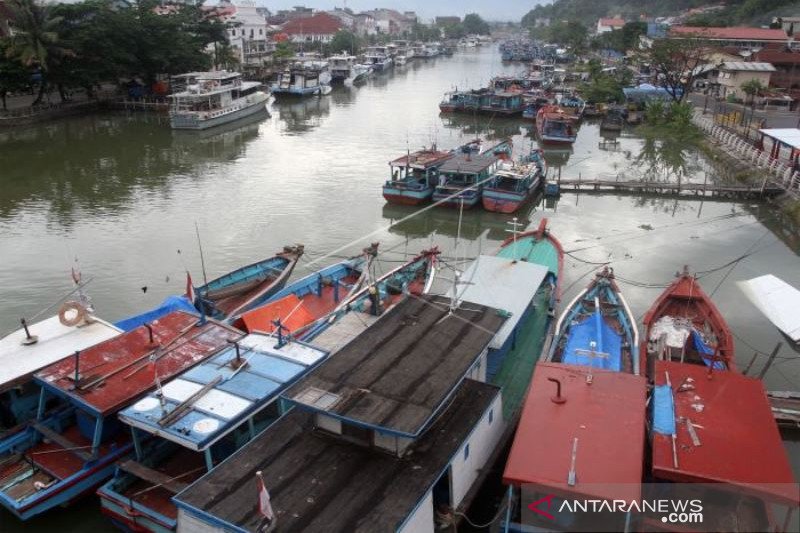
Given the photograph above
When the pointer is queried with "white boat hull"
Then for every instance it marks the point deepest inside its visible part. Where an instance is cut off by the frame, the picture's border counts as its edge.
(210, 119)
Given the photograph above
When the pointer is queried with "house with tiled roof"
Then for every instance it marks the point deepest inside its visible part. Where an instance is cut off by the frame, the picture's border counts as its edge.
(739, 37)
(320, 27)
(607, 24)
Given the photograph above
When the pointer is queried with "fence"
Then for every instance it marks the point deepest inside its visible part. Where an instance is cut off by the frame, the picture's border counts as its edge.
(778, 172)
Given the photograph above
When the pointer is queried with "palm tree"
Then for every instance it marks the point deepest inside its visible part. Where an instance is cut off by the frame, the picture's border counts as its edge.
(34, 41)
(752, 88)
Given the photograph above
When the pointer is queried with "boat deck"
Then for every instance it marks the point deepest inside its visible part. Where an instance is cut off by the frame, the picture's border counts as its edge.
(320, 483)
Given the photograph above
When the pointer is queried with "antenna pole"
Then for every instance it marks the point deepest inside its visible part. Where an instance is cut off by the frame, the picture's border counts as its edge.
(202, 259)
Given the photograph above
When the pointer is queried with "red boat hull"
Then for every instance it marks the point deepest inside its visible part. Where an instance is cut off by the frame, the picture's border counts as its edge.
(501, 206)
(404, 200)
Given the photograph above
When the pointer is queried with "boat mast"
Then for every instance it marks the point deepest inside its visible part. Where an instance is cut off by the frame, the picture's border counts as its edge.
(202, 258)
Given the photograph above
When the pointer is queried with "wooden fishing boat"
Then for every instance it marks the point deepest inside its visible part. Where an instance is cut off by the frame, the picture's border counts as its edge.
(311, 297)
(234, 293)
(586, 396)
(414, 176)
(514, 184)
(67, 453)
(197, 420)
(684, 325)
(461, 177)
(707, 419)
(597, 329)
(554, 126)
(169, 305)
(612, 120)
(36, 346)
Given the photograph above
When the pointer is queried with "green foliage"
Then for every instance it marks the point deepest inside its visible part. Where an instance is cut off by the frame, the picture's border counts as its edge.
(423, 32)
(474, 24)
(566, 33)
(283, 51)
(14, 76)
(604, 88)
(623, 39)
(668, 134)
(345, 41)
(675, 63)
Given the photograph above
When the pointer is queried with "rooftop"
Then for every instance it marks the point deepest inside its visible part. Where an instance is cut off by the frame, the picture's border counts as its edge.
(422, 158)
(468, 164)
(56, 341)
(608, 420)
(612, 22)
(749, 66)
(204, 403)
(734, 422)
(320, 483)
(733, 33)
(119, 370)
(503, 284)
(398, 373)
(787, 136)
(318, 24)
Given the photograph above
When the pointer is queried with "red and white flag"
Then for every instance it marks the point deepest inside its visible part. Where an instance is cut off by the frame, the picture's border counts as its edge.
(189, 287)
(264, 505)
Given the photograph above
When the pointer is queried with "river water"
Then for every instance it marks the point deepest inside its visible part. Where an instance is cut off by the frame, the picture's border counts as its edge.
(118, 195)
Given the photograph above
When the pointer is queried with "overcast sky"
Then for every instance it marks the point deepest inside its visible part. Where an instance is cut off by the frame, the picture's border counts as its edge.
(490, 10)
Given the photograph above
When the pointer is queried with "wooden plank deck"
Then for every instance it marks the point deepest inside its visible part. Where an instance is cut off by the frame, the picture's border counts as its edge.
(153, 476)
(647, 187)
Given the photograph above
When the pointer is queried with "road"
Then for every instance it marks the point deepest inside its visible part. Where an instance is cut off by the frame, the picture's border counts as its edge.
(773, 118)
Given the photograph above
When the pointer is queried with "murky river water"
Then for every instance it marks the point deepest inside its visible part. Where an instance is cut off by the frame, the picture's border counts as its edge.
(120, 194)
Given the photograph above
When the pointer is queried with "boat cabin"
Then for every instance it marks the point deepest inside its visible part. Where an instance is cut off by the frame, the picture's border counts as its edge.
(464, 172)
(398, 424)
(417, 170)
(577, 439)
(67, 451)
(199, 419)
(209, 91)
(33, 347)
(504, 103)
(341, 65)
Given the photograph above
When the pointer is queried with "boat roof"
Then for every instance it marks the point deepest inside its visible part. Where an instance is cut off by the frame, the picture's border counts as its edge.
(216, 90)
(215, 396)
(778, 300)
(503, 284)
(119, 370)
(320, 483)
(422, 159)
(735, 426)
(344, 330)
(374, 381)
(18, 362)
(608, 419)
(467, 163)
(210, 75)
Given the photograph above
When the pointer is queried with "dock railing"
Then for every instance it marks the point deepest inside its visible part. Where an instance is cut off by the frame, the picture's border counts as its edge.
(777, 171)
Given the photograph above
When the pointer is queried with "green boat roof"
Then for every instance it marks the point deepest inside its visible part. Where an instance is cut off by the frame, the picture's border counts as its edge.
(532, 250)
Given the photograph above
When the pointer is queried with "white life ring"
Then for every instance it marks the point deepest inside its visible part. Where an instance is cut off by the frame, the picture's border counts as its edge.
(72, 313)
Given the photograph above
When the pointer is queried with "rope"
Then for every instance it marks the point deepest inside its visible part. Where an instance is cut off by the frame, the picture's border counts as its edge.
(487, 524)
(736, 262)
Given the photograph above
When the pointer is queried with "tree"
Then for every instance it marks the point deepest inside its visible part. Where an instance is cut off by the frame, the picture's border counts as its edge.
(570, 33)
(283, 51)
(13, 75)
(345, 41)
(752, 88)
(675, 63)
(35, 42)
(474, 24)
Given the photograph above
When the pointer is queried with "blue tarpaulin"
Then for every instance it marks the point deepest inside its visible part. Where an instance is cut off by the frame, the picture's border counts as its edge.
(170, 304)
(702, 348)
(663, 410)
(608, 342)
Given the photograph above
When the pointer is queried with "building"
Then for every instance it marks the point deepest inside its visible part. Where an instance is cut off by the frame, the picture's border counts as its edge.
(605, 25)
(389, 434)
(248, 33)
(787, 67)
(346, 16)
(318, 28)
(791, 25)
(733, 74)
(391, 22)
(739, 37)
(447, 21)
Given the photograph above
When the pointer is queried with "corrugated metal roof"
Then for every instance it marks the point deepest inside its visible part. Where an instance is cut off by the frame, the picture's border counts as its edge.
(503, 284)
(778, 300)
(239, 394)
(468, 164)
(750, 66)
(788, 136)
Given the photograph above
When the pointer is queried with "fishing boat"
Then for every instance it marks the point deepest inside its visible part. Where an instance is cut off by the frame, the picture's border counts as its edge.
(70, 450)
(197, 420)
(378, 58)
(359, 74)
(202, 100)
(311, 297)
(684, 325)
(461, 177)
(707, 419)
(341, 67)
(234, 293)
(414, 176)
(573, 105)
(36, 346)
(303, 78)
(183, 302)
(452, 101)
(586, 395)
(514, 184)
(612, 120)
(554, 126)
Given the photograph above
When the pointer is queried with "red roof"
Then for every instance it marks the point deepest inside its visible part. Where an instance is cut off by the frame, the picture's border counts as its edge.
(778, 57)
(608, 419)
(319, 24)
(123, 361)
(739, 441)
(736, 33)
(612, 22)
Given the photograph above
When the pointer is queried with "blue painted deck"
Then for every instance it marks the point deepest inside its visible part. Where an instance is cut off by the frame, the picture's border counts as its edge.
(170, 304)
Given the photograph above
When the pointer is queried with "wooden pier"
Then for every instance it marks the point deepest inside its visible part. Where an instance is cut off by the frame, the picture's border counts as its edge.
(765, 190)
